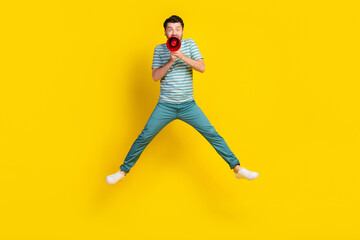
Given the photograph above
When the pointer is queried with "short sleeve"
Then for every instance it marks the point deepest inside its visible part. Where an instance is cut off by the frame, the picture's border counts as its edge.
(195, 53)
(156, 59)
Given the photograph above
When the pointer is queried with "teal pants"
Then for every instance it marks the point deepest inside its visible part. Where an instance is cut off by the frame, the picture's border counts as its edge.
(189, 112)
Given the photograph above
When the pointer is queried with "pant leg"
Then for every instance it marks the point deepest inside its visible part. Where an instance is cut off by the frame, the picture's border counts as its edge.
(194, 116)
(160, 117)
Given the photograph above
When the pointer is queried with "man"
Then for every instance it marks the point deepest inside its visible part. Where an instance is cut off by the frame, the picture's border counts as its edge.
(176, 101)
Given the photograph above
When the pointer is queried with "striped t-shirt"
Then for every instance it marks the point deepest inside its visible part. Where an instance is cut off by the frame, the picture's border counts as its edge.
(177, 84)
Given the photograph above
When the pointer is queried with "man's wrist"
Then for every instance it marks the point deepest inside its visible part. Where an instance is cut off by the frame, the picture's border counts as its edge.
(183, 57)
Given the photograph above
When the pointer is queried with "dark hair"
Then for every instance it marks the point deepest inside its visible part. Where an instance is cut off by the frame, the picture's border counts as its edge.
(173, 19)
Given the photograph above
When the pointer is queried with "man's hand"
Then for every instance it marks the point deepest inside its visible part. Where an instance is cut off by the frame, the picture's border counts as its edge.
(177, 54)
(198, 64)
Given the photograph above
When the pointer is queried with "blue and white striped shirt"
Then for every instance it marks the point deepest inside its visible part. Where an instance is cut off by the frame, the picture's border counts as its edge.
(177, 84)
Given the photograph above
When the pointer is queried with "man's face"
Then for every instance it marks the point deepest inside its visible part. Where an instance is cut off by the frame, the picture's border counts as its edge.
(174, 29)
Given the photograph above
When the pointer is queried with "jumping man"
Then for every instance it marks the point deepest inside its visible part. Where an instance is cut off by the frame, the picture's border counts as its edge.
(174, 69)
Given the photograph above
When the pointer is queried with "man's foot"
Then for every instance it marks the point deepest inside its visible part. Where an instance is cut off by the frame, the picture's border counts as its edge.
(113, 178)
(244, 173)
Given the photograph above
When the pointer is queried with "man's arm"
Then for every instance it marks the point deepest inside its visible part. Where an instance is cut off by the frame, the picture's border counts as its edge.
(197, 65)
(159, 73)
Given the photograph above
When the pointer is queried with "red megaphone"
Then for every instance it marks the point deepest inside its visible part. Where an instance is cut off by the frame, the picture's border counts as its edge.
(173, 44)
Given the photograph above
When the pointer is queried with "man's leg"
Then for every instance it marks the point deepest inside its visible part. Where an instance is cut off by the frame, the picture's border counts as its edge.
(194, 116)
(160, 117)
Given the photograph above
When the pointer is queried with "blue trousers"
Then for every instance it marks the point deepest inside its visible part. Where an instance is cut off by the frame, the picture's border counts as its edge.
(189, 112)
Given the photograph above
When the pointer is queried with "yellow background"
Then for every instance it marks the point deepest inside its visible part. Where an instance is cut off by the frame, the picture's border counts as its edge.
(281, 86)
